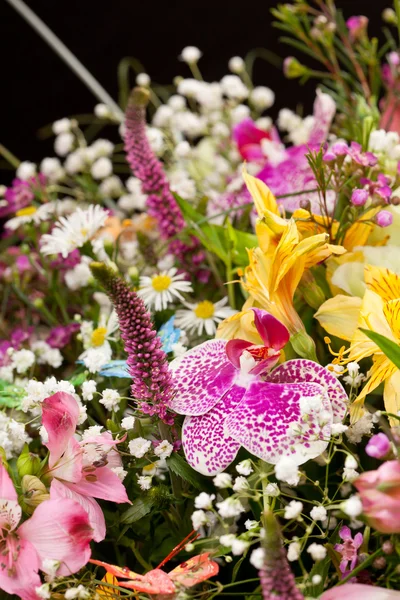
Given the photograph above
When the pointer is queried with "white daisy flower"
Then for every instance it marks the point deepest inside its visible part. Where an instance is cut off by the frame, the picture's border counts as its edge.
(204, 315)
(161, 289)
(74, 231)
(96, 341)
(31, 214)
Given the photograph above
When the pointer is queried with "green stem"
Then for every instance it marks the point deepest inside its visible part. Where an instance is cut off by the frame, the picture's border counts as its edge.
(9, 156)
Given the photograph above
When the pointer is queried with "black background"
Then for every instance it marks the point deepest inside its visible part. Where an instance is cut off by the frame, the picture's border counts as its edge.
(37, 87)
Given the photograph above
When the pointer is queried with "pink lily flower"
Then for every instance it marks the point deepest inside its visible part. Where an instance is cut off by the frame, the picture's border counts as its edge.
(80, 470)
(355, 591)
(348, 549)
(58, 530)
(231, 398)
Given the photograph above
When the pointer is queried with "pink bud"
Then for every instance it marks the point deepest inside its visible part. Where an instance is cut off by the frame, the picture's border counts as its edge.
(340, 148)
(359, 197)
(378, 446)
(357, 26)
(393, 59)
(384, 218)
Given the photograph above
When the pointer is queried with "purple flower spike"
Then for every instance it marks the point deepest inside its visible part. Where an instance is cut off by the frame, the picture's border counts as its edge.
(230, 400)
(378, 446)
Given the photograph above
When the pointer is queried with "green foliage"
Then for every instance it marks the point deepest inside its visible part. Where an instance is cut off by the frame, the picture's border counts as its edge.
(389, 348)
(177, 464)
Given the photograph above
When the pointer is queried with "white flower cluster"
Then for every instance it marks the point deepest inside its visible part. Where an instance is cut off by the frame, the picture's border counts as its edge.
(12, 436)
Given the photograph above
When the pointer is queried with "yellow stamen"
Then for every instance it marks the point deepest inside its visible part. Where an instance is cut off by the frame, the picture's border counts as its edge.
(26, 212)
(161, 282)
(99, 336)
(204, 310)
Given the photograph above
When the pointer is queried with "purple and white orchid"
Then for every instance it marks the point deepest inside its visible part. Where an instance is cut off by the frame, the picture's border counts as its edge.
(231, 398)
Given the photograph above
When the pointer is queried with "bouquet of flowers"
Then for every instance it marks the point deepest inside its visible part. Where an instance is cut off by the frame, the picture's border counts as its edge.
(200, 353)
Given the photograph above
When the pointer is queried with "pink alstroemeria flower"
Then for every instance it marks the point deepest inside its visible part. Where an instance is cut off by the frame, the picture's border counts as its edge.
(355, 591)
(58, 530)
(80, 470)
(348, 549)
(231, 399)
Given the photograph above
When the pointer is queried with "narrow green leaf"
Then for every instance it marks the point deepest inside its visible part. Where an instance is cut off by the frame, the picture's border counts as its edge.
(389, 348)
(139, 509)
(180, 467)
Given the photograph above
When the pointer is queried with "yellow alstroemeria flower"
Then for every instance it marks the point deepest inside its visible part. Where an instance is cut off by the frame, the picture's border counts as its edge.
(379, 311)
(276, 266)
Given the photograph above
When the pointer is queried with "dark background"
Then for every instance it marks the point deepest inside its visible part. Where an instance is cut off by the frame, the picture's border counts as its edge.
(38, 88)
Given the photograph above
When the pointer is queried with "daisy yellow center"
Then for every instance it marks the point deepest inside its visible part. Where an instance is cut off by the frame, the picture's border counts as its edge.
(161, 282)
(204, 310)
(98, 336)
(26, 212)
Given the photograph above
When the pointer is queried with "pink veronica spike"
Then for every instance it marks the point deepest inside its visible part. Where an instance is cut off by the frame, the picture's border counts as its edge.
(208, 449)
(301, 370)
(275, 420)
(200, 378)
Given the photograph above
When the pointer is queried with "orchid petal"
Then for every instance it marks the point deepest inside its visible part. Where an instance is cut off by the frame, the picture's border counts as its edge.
(60, 530)
(104, 484)
(60, 418)
(234, 349)
(207, 448)
(20, 576)
(306, 371)
(272, 332)
(275, 420)
(95, 514)
(324, 111)
(200, 378)
(7, 489)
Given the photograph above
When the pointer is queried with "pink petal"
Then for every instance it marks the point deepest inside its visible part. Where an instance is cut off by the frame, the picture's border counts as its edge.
(95, 514)
(234, 349)
(107, 486)
(7, 490)
(355, 591)
(69, 466)
(60, 418)
(10, 514)
(267, 421)
(200, 378)
(358, 540)
(246, 133)
(207, 448)
(345, 533)
(272, 332)
(301, 370)
(59, 529)
(252, 153)
(20, 576)
(324, 111)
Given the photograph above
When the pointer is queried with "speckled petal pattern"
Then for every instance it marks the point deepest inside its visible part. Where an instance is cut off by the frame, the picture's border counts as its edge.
(207, 448)
(301, 370)
(200, 378)
(275, 420)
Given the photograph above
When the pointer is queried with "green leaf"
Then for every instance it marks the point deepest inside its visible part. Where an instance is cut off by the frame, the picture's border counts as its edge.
(180, 467)
(139, 509)
(240, 240)
(389, 348)
(78, 379)
(10, 395)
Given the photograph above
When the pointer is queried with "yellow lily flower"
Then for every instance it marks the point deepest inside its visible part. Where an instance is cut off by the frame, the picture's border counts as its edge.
(276, 266)
(378, 311)
(108, 592)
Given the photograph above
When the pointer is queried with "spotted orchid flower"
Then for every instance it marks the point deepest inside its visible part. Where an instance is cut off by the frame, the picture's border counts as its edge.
(232, 398)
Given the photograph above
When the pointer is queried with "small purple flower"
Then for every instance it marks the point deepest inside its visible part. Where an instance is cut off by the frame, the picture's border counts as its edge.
(231, 399)
(357, 26)
(348, 549)
(384, 218)
(393, 59)
(378, 446)
(61, 335)
(365, 159)
(340, 149)
(359, 197)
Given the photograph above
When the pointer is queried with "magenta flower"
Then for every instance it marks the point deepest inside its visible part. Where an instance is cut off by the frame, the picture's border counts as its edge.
(231, 399)
(357, 591)
(348, 549)
(61, 335)
(378, 446)
(359, 197)
(384, 218)
(81, 470)
(248, 138)
(58, 530)
(357, 26)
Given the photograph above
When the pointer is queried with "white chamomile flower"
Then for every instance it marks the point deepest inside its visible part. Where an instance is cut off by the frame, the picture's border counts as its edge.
(31, 214)
(96, 341)
(161, 289)
(203, 316)
(73, 231)
(163, 449)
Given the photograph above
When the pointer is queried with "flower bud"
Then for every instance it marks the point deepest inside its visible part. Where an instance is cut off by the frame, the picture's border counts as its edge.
(303, 345)
(357, 26)
(384, 218)
(388, 547)
(34, 492)
(293, 69)
(378, 446)
(38, 303)
(359, 197)
(312, 293)
(389, 16)
(28, 463)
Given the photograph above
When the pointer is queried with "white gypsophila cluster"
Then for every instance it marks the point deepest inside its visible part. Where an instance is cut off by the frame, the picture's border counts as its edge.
(52, 169)
(338, 428)
(272, 489)
(64, 143)
(251, 524)
(236, 64)
(352, 506)
(80, 275)
(79, 592)
(163, 449)
(190, 54)
(110, 399)
(111, 187)
(37, 391)
(262, 97)
(62, 126)
(119, 472)
(89, 388)
(145, 482)
(354, 378)
(293, 510)
(241, 484)
(200, 518)
(43, 591)
(223, 480)
(26, 170)
(385, 142)
(257, 558)
(230, 507)
(318, 513)
(46, 355)
(294, 551)
(12, 436)
(21, 360)
(128, 422)
(317, 551)
(287, 470)
(139, 446)
(244, 468)
(204, 501)
(363, 426)
(233, 87)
